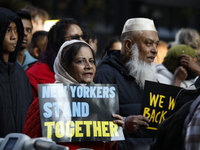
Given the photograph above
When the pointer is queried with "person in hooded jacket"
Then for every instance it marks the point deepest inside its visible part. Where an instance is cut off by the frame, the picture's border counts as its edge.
(15, 89)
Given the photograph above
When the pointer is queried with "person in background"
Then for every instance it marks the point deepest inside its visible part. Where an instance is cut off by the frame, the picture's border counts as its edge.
(190, 133)
(162, 51)
(16, 95)
(42, 72)
(90, 37)
(129, 68)
(180, 130)
(190, 37)
(75, 63)
(179, 67)
(23, 56)
(114, 43)
(39, 16)
(174, 132)
(180, 59)
(38, 43)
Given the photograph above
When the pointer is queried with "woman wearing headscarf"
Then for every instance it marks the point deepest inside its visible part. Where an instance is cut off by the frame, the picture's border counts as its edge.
(75, 63)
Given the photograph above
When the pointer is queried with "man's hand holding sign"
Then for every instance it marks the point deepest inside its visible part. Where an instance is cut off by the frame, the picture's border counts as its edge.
(134, 122)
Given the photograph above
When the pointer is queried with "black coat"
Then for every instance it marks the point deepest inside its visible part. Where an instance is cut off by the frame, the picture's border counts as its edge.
(15, 89)
(170, 134)
(112, 70)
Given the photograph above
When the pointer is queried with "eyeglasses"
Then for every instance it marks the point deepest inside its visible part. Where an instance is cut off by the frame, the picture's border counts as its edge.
(75, 37)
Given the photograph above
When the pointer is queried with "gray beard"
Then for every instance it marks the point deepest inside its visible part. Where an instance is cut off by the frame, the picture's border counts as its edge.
(140, 70)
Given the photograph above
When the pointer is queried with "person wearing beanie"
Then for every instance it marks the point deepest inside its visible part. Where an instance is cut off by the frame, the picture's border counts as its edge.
(179, 67)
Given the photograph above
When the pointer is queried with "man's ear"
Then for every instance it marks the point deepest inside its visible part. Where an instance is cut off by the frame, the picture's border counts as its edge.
(128, 45)
(36, 52)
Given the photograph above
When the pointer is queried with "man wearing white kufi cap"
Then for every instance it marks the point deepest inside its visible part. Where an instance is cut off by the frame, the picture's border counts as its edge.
(138, 24)
(129, 68)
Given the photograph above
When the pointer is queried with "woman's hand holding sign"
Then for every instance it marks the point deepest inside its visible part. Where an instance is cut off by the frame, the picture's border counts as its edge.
(134, 122)
(119, 120)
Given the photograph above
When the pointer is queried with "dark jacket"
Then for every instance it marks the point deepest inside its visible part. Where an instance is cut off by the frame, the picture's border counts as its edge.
(112, 70)
(170, 132)
(15, 89)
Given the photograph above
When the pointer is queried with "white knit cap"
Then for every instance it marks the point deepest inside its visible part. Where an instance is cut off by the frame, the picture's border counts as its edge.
(138, 24)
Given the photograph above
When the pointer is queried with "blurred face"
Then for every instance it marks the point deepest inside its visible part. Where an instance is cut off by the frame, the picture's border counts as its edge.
(41, 45)
(11, 38)
(27, 33)
(93, 44)
(73, 32)
(83, 68)
(147, 45)
(116, 46)
(37, 26)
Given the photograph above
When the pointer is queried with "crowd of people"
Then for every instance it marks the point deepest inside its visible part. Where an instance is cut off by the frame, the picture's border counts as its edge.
(67, 54)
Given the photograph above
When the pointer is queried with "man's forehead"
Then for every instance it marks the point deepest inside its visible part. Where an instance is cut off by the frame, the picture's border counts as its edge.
(27, 22)
(73, 29)
(12, 23)
(151, 35)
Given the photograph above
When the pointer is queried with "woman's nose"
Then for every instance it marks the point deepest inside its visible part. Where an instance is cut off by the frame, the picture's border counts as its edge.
(14, 35)
(88, 65)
